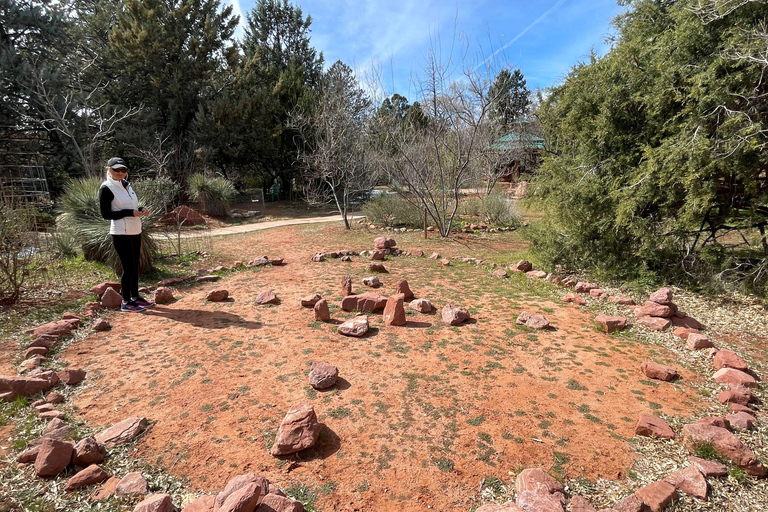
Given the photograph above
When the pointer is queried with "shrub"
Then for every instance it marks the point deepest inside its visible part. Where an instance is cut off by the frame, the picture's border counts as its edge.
(79, 213)
(472, 206)
(158, 194)
(15, 256)
(393, 210)
(214, 194)
(499, 209)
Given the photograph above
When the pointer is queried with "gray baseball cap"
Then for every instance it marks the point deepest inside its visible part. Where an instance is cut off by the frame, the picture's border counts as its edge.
(117, 163)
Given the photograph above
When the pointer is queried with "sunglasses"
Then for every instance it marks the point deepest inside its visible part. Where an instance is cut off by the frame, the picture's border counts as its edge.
(122, 170)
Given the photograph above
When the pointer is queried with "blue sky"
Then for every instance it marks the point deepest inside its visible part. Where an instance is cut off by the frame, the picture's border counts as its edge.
(544, 38)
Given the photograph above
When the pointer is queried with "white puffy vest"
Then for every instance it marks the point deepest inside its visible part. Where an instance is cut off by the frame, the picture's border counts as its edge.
(123, 200)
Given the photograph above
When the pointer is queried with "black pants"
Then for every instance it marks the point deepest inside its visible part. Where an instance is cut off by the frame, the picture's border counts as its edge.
(128, 249)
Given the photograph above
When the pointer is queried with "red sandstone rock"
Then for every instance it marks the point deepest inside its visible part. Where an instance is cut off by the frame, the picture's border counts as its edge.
(322, 313)
(217, 295)
(164, 295)
(452, 315)
(500, 273)
(579, 504)
(741, 408)
(23, 386)
(377, 267)
(654, 309)
(687, 322)
(709, 467)
(584, 287)
(714, 421)
(655, 323)
(657, 495)
(742, 421)
(574, 299)
(87, 451)
(364, 302)
(71, 376)
(532, 321)
(155, 503)
(57, 328)
(394, 312)
(536, 274)
(736, 394)
(298, 431)
(121, 432)
(132, 484)
(106, 490)
(421, 305)
(661, 296)
(323, 375)
(522, 266)
(725, 444)
(698, 341)
(659, 371)
(100, 325)
(277, 503)
(510, 506)
(536, 480)
(379, 255)
(267, 297)
(239, 482)
(689, 480)
(52, 457)
(99, 289)
(93, 474)
(111, 299)
(684, 332)
(384, 243)
(310, 300)
(649, 425)
(346, 286)
(201, 504)
(729, 359)
(402, 287)
(736, 377)
(356, 327)
(611, 323)
(530, 501)
(622, 299)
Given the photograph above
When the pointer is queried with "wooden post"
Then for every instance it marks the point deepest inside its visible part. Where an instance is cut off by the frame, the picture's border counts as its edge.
(425, 223)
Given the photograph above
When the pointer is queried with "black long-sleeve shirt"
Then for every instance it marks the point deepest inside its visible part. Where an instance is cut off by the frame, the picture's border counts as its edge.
(105, 205)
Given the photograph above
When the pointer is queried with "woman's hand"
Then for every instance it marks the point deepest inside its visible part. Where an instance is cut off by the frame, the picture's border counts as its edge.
(145, 212)
(137, 213)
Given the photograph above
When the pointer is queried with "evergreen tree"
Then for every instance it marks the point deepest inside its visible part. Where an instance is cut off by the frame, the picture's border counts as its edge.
(169, 57)
(658, 160)
(509, 97)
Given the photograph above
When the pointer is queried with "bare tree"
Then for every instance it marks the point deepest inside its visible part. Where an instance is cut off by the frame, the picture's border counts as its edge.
(433, 158)
(334, 156)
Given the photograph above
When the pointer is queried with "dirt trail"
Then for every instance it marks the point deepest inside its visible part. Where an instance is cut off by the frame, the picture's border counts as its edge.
(423, 412)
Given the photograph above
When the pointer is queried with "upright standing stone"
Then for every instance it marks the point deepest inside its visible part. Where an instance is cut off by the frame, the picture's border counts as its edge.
(394, 312)
(346, 286)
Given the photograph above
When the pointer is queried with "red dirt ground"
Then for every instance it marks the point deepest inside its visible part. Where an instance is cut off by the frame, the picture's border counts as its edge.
(423, 412)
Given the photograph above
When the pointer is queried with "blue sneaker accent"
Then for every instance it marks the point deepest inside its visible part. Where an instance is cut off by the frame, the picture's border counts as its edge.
(131, 307)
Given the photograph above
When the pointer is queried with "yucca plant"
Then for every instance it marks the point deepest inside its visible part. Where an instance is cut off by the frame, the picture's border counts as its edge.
(214, 194)
(79, 212)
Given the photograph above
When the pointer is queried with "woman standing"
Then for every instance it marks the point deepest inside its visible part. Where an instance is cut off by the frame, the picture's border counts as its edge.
(119, 204)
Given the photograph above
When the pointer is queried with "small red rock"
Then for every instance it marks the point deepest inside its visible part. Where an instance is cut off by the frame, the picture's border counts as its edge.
(709, 467)
(742, 421)
(217, 295)
(132, 484)
(310, 300)
(729, 359)
(87, 451)
(661, 296)
(500, 273)
(267, 297)
(655, 323)
(659, 371)
(698, 341)
(402, 287)
(71, 376)
(649, 425)
(657, 495)
(356, 327)
(52, 457)
(394, 312)
(736, 377)
(164, 295)
(574, 299)
(93, 474)
(684, 332)
(736, 394)
(611, 323)
(715, 421)
(155, 503)
(522, 266)
(322, 313)
(452, 315)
